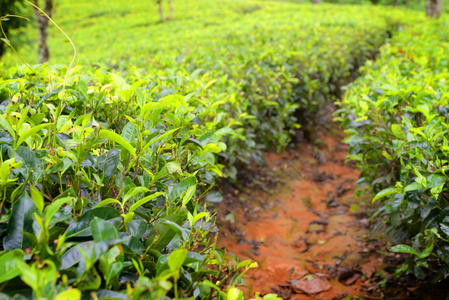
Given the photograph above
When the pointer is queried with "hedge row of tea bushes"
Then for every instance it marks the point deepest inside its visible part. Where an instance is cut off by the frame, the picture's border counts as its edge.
(103, 183)
(260, 70)
(258, 61)
(100, 191)
(396, 116)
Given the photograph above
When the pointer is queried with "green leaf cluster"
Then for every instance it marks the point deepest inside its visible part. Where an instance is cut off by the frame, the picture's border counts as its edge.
(396, 118)
(102, 189)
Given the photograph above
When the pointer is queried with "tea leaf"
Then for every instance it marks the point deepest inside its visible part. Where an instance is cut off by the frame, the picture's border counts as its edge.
(112, 136)
(81, 227)
(8, 265)
(404, 249)
(102, 230)
(176, 259)
(31, 132)
(21, 222)
(384, 193)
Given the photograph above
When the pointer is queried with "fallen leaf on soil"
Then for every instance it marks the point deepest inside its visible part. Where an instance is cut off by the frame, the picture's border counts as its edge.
(284, 291)
(352, 279)
(314, 285)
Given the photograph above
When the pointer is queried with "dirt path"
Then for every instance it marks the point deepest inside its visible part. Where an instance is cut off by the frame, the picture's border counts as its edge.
(302, 233)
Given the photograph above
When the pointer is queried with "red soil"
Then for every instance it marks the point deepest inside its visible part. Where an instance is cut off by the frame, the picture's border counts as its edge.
(305, 238)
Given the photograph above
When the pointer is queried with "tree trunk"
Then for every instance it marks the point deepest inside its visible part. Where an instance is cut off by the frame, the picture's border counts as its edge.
(396, 3)
(407, 3)
(161, 11)
(170, 3)
(42, 27)
(433, 8)
(316, 1)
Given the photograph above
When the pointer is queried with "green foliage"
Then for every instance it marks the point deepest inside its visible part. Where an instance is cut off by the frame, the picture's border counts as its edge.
(106, 201)
(232, 59)
(101, 187)
(396, 116)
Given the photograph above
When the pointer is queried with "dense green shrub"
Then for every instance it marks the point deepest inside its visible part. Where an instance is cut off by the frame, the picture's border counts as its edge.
(102, 183)
(396, 116)
(94, 197)
(257, 65)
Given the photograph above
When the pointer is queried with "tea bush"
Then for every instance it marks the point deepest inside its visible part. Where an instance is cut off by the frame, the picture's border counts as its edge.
(103, 181)
(98, 199)
(396, 116)
(258, 61)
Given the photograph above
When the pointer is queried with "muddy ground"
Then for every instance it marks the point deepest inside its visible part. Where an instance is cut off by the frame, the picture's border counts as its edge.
(299, 218)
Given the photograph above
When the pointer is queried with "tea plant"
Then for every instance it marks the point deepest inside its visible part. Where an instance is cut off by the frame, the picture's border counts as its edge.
(396, 118)
(97, 200)
(104, 168)
(256, 89)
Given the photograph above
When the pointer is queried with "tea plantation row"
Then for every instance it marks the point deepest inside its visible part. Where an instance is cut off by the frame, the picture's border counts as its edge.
(103, 182)
(396, 116)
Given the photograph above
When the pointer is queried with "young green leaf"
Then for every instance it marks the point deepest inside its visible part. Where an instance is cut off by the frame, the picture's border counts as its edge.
(176, 259)
(5, 124)
(404, 249)
(384, 193)
(72, 294)
(29, 132)
(37, 198)
(133, 192)
(112, 136)
(144, 200)
(8, 267)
